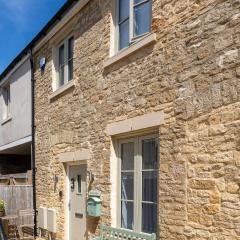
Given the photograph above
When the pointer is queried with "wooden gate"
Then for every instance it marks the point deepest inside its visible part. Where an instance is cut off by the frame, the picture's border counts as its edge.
(16, 198)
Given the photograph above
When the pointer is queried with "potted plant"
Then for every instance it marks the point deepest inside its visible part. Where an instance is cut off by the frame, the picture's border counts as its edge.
(2, 208)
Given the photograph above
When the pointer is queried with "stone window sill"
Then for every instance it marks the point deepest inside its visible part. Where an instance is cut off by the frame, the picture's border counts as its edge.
(61, 90)
(6, 120)
(143, 42)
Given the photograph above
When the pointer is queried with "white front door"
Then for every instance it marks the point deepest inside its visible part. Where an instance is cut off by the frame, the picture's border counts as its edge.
(77, 202)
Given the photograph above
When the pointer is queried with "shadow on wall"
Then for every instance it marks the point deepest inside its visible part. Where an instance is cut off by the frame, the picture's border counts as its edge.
(10, 164)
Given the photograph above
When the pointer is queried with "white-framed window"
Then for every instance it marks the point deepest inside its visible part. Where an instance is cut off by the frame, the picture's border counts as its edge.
(133, 20)
(64, 62)
(138, 177)
(7, 101)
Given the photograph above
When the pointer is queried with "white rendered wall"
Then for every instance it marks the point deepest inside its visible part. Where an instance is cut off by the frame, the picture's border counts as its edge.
(19, 127)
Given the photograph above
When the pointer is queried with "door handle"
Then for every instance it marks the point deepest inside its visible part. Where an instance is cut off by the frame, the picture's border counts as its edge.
(79, 215)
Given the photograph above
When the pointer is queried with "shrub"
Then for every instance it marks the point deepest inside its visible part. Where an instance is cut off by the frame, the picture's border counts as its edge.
(1, 205)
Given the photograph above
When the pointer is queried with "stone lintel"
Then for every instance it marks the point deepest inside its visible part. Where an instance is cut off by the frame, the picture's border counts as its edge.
(137, 123)
(81, 155)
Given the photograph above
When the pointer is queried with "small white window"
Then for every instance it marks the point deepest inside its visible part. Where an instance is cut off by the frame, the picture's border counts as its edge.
(133, 20)
(64, 62)
(138, 160)
(7, 101)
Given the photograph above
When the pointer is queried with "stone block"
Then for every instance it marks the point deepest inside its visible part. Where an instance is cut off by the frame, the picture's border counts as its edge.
(211, 209)
(215, 197)
(232, 187)
(223, 157)
(237, 158)
(202, 184)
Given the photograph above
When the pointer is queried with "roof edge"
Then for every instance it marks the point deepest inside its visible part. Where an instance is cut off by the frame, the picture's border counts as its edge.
(43, 32)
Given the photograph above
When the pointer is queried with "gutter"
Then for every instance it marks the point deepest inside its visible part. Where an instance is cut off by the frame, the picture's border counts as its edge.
(33, 165)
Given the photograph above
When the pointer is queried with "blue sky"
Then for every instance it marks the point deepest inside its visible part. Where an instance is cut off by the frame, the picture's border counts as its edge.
(20, 21)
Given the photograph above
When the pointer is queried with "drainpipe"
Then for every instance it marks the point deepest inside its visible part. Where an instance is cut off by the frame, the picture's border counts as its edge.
(33, 144)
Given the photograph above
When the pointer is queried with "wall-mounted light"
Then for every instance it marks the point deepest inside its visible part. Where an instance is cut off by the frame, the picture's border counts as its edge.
(91, 176)
(42, 63)
(55, 179)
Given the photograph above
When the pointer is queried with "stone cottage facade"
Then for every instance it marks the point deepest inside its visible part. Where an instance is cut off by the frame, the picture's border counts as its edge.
(153, 126)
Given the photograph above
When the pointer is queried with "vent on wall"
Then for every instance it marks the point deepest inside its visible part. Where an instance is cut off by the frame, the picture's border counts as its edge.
(52, 220)
(42, 217)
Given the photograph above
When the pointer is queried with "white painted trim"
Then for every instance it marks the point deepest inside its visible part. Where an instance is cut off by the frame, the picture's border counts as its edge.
(116, 180)
(114, 29)
(114, 183)
(137, 123)
(55, 62)
(131, 21)
(73, 11)
(61, 90)
(16, 143)
(139, 44)
(15, 68)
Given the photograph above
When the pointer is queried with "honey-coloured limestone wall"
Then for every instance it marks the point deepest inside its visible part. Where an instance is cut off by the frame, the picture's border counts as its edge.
(192, 74)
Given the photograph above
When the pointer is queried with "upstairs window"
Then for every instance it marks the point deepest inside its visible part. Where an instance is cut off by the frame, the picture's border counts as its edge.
(134, 20)
(65, 62)
(7, 101)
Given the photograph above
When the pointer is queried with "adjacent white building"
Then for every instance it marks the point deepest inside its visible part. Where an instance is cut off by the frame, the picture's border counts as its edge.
(15, 118)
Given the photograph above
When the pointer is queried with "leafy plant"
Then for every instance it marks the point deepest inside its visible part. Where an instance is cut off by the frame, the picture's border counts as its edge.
(2, 205)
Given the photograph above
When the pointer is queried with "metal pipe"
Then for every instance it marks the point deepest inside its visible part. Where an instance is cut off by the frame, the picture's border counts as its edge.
(33, 165)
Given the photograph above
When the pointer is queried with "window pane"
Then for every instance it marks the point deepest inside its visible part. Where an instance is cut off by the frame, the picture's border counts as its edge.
(124, 34)
(8, 95)
(70, 48)
(70, 58)
(127, 186)
(138, 1)
(61, 76)
(70, 70)
(127, 156)
(149, 218)
(142, 18)
(149, 185)
(7, 100)
(123, 10)
(149, 154)
(79, 181)
(127, 215)
(61, 55)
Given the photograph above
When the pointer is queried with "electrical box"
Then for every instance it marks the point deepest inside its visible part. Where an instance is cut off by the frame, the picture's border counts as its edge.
(52, 220)
(94, 204)
(42, 217)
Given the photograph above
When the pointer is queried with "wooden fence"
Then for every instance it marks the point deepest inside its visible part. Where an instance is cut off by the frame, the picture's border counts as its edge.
(17, 179)
(16, 198)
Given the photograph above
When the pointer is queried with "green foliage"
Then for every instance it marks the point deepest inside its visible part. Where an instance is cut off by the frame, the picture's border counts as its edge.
(1, 205)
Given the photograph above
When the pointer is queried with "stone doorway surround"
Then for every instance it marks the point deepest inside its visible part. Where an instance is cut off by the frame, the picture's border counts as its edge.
(80, 157)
